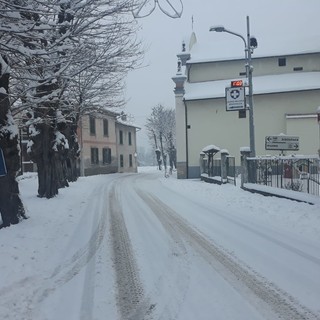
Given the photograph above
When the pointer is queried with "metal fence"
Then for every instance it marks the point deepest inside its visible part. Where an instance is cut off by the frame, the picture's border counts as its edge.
(213, 168)
(296, 173)
(231, 169)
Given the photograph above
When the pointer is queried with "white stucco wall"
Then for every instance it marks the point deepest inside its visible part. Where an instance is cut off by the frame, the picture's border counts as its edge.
(308, 131)
(278, 91)
(180, 135)
(231, 69)
(212, 124)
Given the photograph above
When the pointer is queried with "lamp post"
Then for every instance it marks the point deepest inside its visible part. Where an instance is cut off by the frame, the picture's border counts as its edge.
(250, 44)
(318, 118)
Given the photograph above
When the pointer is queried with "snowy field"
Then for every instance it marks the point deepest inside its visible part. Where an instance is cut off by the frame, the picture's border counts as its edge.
(140, 246)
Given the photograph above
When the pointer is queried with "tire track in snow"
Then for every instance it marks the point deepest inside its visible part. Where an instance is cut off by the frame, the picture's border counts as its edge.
(42, 288)
(236, 221)
(176, 273)
(169, 288)
(268, 299)
(131, 301)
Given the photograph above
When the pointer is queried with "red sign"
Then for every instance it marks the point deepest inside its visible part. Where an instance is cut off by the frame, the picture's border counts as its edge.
(236, 83)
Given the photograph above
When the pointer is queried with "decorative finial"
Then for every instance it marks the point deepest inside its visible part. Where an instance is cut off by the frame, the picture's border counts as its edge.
(183, 46)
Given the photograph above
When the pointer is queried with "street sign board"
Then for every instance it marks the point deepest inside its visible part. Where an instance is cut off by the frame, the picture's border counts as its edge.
(3, 169)
(235, 98)
(282, 142)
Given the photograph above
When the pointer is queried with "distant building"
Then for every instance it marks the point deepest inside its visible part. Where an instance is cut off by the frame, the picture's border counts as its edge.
(108, 144)
(286, 93)
(127, 147)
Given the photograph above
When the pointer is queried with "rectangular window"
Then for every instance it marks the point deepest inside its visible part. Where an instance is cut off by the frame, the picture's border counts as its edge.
(105, 127)
(297, 68)
(282, 62)
(129, 138)
(121, 137)
(106, 155)
(92, 124)
(121, 160)
(130, 160)
(94, 156)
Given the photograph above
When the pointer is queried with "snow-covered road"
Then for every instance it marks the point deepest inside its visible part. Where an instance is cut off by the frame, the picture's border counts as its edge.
(142, 247)
(206, 262)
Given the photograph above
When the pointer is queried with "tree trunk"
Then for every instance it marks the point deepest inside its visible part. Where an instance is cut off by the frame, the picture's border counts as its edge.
(11, 207)
(164, 156)
(44, 156)
(73, 154)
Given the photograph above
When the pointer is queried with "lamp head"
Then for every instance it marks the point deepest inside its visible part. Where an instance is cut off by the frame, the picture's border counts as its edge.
(253, 43)
(217, 29)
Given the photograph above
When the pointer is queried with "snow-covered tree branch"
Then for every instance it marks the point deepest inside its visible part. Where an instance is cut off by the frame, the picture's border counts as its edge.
(66, 57)
(161, 128)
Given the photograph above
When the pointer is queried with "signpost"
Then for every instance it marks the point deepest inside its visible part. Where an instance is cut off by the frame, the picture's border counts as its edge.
(282, 142)
(235, 98)
(3, 168)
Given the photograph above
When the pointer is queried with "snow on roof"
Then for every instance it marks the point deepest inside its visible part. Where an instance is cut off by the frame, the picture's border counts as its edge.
(211, 147)
(212, 47)
(232, 56)
(128, 123)
(261, 85)
(245, 149)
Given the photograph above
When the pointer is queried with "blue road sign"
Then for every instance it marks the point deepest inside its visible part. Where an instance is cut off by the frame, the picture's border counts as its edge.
(3, 168)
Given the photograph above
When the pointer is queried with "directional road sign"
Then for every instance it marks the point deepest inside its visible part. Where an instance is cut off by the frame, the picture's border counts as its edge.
(235, 98)
(282, 142)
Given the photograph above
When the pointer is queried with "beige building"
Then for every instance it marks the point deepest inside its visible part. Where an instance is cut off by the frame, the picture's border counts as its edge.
(108, 144)
(126, 147)
(286, 95)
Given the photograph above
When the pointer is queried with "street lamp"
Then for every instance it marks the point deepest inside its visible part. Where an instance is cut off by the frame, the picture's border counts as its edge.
(318, 118)
(250, 44)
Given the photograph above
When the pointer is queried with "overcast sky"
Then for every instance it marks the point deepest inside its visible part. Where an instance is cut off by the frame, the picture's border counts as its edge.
(276, 24)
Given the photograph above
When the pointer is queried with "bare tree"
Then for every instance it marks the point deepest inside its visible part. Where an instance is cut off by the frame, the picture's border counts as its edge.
(66, 57)
(11, 207)
(161, 128)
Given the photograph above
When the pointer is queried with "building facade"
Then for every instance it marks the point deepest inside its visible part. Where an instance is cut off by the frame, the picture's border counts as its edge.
(286, 94)
(127, 147)
(108, 144)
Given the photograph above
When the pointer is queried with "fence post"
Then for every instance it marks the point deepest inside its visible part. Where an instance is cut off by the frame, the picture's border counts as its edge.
(244, 166)
(224, 154)
(202, 169)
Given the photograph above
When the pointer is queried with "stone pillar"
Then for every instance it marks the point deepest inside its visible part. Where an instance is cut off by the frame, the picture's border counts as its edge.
(202, 169)
(224, 154)
(245, 153)
(181, 139)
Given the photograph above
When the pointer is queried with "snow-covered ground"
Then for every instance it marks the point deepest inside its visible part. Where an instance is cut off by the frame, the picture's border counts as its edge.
(140, 246)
